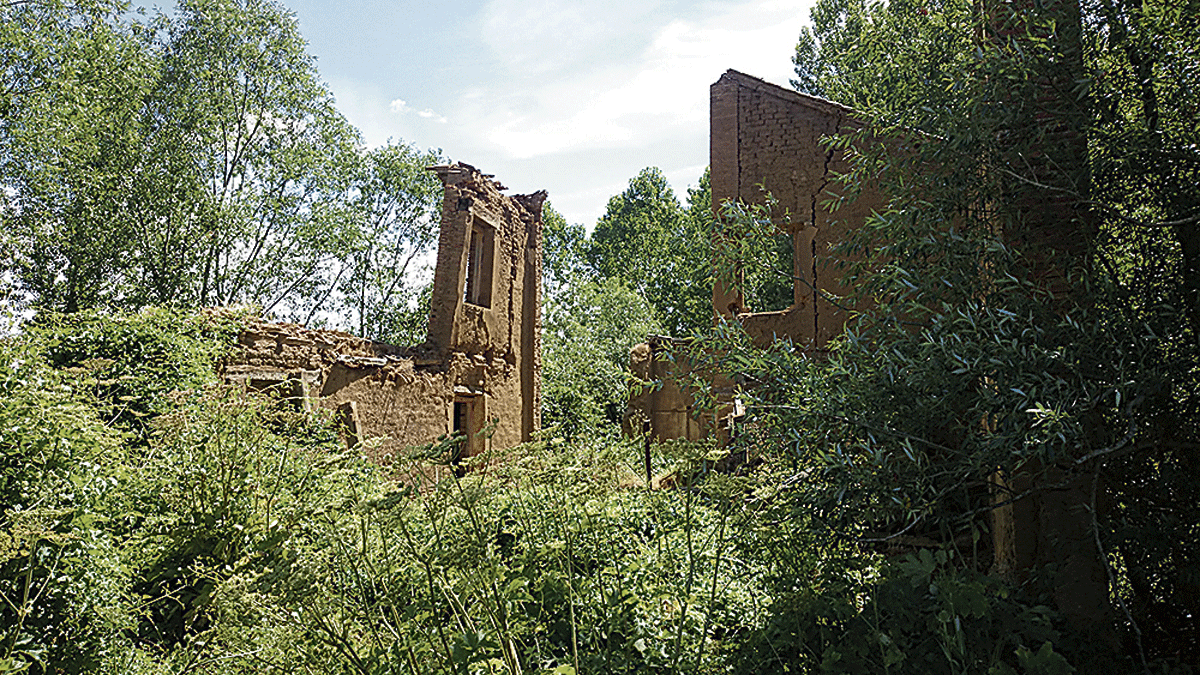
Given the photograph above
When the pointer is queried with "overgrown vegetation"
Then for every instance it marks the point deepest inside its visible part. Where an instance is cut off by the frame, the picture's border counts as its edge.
(196, 159)
(974, 380)
(157, 521)
(154, 520)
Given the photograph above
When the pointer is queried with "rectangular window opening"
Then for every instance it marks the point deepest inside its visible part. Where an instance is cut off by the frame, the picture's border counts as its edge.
(480, 260)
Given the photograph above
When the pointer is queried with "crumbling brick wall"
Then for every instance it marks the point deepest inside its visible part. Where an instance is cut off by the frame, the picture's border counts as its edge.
(479, 367)
(765, 138)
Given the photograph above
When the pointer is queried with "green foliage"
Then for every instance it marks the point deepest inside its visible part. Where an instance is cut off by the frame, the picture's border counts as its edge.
(58, 576)
(756, 255)
(156, 522)
(585, 355)
(230, 535)
(253, 204)
(563, 253)
(951, 379)
(68, 136)
(659, 249)
(1143, 60)
(549, 574)
(225, 484)
(131, 365)
(634, 230)
(920, 614)
(962, 367)
(114, 542)
(197, 159)
(644, 270)
(925, 44)
(400, 204)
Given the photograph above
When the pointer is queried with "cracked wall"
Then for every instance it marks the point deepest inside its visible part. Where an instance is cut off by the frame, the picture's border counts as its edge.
(764, 138)
(479, 366)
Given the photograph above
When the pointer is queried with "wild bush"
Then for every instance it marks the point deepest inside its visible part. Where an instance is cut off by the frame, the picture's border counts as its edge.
(61, 580)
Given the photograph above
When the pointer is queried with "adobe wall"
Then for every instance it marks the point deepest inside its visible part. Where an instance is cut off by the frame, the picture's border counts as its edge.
(504, 329)
(765, 137)
(480, 362)
(667, 411)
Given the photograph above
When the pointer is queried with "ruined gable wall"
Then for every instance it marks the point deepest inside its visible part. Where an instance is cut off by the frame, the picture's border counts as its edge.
(768, 136)
(403, 400)
(474, 200)
(505, 329)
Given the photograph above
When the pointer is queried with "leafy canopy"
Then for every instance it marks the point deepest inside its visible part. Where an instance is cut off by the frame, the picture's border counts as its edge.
(197, 159)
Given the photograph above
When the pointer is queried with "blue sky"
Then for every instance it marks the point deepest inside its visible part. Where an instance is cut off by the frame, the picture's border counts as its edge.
(574, 97)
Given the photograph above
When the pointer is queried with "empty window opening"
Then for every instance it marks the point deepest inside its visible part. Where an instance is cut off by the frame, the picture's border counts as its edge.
(480, 257)
(292, 390)
(768, 282)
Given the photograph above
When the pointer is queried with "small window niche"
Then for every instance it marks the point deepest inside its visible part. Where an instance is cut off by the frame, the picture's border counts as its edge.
(480, 261)
(293, 389)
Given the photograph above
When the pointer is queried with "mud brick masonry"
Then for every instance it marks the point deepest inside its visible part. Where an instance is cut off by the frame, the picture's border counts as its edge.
(480, 363)
(766, 139)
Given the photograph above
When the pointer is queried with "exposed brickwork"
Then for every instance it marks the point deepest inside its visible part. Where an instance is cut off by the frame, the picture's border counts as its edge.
(668, 411)
(765, 138)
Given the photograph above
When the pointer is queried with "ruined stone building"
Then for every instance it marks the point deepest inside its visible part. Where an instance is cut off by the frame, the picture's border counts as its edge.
(766, 139)
(479, 365)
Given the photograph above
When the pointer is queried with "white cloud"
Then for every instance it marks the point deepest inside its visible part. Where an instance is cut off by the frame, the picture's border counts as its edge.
(429, 114)
(401, 106)
(600, 83)
(366, 106)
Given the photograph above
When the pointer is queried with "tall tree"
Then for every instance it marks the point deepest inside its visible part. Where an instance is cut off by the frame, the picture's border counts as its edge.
(661, 250)
(398, 202)
(564, 247)
(69, 122)
(588, 333)
(196, 160)
(259, 160)
(1144, 63)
